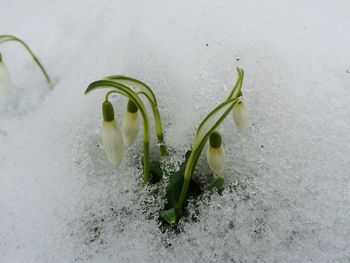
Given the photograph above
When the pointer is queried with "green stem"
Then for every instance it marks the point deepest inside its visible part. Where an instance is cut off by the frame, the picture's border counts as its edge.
(238, 86)
(146, 177)
(158, 124)
(126, 91)
(236, 90)
(198, 146)
(6, 38)
(148, 93)
(162, 147)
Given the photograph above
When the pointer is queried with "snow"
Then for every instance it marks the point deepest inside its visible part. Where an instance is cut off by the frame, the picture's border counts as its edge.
(61, 200)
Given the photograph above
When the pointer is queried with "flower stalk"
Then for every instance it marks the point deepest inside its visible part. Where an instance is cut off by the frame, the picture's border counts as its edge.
(7, 38)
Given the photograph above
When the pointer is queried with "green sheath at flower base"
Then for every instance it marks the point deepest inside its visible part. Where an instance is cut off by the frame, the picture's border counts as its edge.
(6, 38)
(148, 93)
(215, 139)
(107, 111)
(129, 93)
(130, 124)
(216, 154)
(132, 107)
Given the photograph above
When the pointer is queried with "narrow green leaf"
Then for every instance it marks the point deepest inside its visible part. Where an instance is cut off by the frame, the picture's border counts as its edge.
(175, 184)
(147, 91)
(6, 38)
(118, 88)
(173, 192)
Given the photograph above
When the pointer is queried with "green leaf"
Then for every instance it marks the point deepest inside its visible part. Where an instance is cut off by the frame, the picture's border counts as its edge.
(217, 184)
(169, 216)
(171, 213)
(156, 173)
(175, 183)
(6, 38)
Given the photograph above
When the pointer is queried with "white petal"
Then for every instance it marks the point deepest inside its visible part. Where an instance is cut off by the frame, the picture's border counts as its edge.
(240, 117)
(130, 128)
(113, 142)
(216, 159)
(5, 81)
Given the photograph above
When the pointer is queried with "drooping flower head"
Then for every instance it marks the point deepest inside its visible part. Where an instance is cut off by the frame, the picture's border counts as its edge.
(112, 138)
(216, 154)
(240, 115)
(130, 124)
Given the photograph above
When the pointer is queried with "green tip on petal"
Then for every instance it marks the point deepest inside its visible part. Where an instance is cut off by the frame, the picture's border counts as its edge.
(0, 58)
(107, 111)
(132, 108)
(215, 140)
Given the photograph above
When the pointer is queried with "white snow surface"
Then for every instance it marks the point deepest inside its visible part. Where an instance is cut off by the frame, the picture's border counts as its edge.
(61, 200)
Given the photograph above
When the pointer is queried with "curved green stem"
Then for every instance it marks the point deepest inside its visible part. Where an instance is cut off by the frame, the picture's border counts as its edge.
(233, 94)
(158, 124)
(6, 38)
(238, 86)
(199, 144)
(126, 91)
(148, 93)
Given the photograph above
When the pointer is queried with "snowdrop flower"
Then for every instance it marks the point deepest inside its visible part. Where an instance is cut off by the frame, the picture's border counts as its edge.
(216, 154)
(130, 124)
(112, 138)
(240, 116)
(5, 81)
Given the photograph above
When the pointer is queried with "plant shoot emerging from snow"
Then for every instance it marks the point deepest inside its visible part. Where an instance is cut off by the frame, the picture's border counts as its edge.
(5, 81)
(181, 185)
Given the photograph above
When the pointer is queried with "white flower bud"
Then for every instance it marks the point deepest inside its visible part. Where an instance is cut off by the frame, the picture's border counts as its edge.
(5, 81)
(216, 154)
(112, 140)
(130, 124)
(240, 116)
(130, 128)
